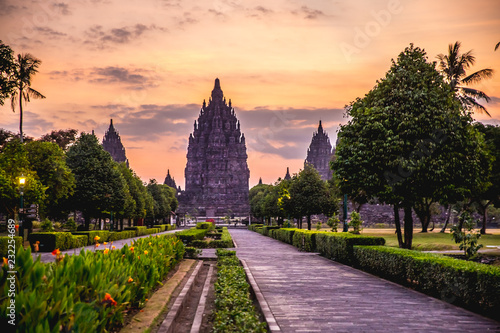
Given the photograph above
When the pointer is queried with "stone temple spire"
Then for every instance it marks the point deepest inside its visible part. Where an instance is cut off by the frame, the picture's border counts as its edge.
(287, 176)
(216, 172)
(170, 181)
(112, 143)
(320, 153)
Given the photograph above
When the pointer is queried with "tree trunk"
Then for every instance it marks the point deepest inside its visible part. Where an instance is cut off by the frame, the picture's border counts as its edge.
(121, 224)
(408, 227)
(443, 230)
(300, 222)
(21, 113)
(308, 222)
(485, 216)
(397, 222)
(87, 222)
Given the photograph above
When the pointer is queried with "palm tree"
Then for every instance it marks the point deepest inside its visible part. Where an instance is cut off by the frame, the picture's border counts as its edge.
(496, 46)
(26, 66)
(453, 66)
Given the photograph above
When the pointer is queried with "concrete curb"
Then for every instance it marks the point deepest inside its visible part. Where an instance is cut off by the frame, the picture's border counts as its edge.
(168, 325)
(268, 314)
(198, 318)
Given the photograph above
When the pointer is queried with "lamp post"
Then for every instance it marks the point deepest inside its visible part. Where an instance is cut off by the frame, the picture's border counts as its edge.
(22, 181)
(346, 227)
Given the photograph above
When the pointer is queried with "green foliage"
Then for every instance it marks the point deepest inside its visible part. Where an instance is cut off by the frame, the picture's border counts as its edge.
(139, 230)
(70, 225)
(62, 138)
(191, 252)
(102, 234)
(192, 234)
(6, 71)
(4, 244)
(234, 311)
(47, 225)
(305, 240)
(318, 225)
(70, 295)
(225, 241)
(284, 235)
(164, 199)
(205, 225)
(116, 235)
(467, 238)
(50, 241)
(471, 285)
(356, 222)
(254, 226)
(333, 222)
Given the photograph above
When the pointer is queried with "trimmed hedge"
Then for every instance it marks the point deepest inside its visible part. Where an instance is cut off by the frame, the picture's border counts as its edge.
(266, 230)
(79, 241)
(234, 309)
(4, 244)
(103, 235)
(305, 240)
(339, 246)
(139, 230)
(225, 242)
(253, 227)
(49, 241)
(192, 234)
(284, 234)
(468, 284)
(116, 235)
(205, 225)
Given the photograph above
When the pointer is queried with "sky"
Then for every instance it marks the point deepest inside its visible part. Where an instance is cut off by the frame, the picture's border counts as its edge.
(285, 64)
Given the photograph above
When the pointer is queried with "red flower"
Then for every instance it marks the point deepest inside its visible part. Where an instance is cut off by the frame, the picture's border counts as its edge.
(56, 252)
(16, 226)
(109, 300)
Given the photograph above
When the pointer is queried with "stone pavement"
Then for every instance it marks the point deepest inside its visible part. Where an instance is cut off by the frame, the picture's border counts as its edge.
(309, 293)
(48, 257)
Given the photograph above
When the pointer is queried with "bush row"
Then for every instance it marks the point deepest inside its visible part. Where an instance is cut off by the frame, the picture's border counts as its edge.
(234, 309)
(225, 242)
(205, 225)
(468, 284)
(89, 292)
(253, 227)
(4, 245)
(192, 234)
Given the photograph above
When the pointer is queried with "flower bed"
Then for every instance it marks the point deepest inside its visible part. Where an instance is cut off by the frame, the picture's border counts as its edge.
(192, 234)
(89, 292)
(4, 244)
(235, 311)
(225, 241)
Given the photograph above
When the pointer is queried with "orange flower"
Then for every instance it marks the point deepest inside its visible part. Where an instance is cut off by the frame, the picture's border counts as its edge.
(145, 252)
(130, 280)
(37, 242)
(97, 244)
(109, 300)
(5, 261)
(35, 247)
(105, 243)
(16, 226)
(138, 257)
(113, 247)
(106, 251)
(149, 243)
(96, 238)
(146, 299)
(132, 248)
(56, 252)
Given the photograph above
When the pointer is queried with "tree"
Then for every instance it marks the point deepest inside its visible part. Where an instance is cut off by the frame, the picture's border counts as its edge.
(164, 200)
(256, 197)
(409, 142)
(453, 66)
(14, 163)
(6, 71)
(25, 67)
(49, 163)
(63, 138)
(496, 46)
(99, 184)
(489, 195)
(309, 194)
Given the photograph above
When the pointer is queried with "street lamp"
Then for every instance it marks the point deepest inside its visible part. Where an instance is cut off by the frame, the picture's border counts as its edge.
(346, 226)
(22, 181)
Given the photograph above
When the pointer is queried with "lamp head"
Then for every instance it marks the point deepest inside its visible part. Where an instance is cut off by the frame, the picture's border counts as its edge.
(22, 180)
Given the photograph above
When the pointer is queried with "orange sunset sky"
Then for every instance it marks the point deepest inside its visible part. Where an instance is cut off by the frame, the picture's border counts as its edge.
(285, 64)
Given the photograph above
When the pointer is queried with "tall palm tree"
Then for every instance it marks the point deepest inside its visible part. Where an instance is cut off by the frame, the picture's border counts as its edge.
(453, 66)
(496, 46)
(26, 66)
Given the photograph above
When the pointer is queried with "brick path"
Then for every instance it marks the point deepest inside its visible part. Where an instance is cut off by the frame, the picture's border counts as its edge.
(308, 293)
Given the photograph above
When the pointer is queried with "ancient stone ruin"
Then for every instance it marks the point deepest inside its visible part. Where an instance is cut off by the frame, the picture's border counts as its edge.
(320, 153)
(113, 145)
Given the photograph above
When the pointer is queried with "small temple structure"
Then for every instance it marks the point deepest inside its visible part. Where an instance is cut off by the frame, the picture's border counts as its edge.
(287, 176)
(320, 153)
(170, 181)
(216, 172)
(112, 143)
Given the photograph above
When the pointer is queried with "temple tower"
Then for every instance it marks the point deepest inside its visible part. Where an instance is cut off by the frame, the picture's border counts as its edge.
(216, 172)
(320, 153)
(113, 145)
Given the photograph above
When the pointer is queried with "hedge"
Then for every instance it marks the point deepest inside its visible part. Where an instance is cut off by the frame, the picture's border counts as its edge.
(116, 235)
(234, 309)
(267, 229)
(225, 242)
(468, 284)
(339, 246)
(192, 234)
(139, 230)
(305, 240)
(4, 244)
(284, 234)
(49, 241)
(205, 225)
(253, 227)
(89, 292)
(102, 234)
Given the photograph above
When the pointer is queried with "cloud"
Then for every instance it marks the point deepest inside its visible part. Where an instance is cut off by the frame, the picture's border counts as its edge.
(33, 123)
(494, 100)
(123, 35)
(187, 19)
(62, 7)
(49, 32)
(308, 13)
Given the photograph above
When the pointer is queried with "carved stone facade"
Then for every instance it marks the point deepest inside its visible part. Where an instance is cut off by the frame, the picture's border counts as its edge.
(170, 181)
(320, 153)
(112, 143)
(216, 173)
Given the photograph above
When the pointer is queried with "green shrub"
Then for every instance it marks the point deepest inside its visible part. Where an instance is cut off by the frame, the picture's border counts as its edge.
(356, 223)
(224, 242)
(139, 230)
(234, 309)
(253, 227)
(4, 245)
(191, 252)
(333, 222)
(79, 241)
(205, 225)
(49, 241)
(467, 238)
(192, 234)
(47, 225)
(471, 285)
(102, 234)
(305, 240)
(70, 225)
(69, 296)
(116, 235)
(339, 246)
(266, 229)
(284, 234)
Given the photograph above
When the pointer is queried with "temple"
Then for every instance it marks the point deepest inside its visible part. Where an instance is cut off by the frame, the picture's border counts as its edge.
(113, 145)
(170, 181)
(287, 176)
(320, 153)
(216, 172)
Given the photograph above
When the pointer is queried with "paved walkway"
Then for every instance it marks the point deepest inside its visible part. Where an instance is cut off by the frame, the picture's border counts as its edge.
(308, 293)
(48, 257)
